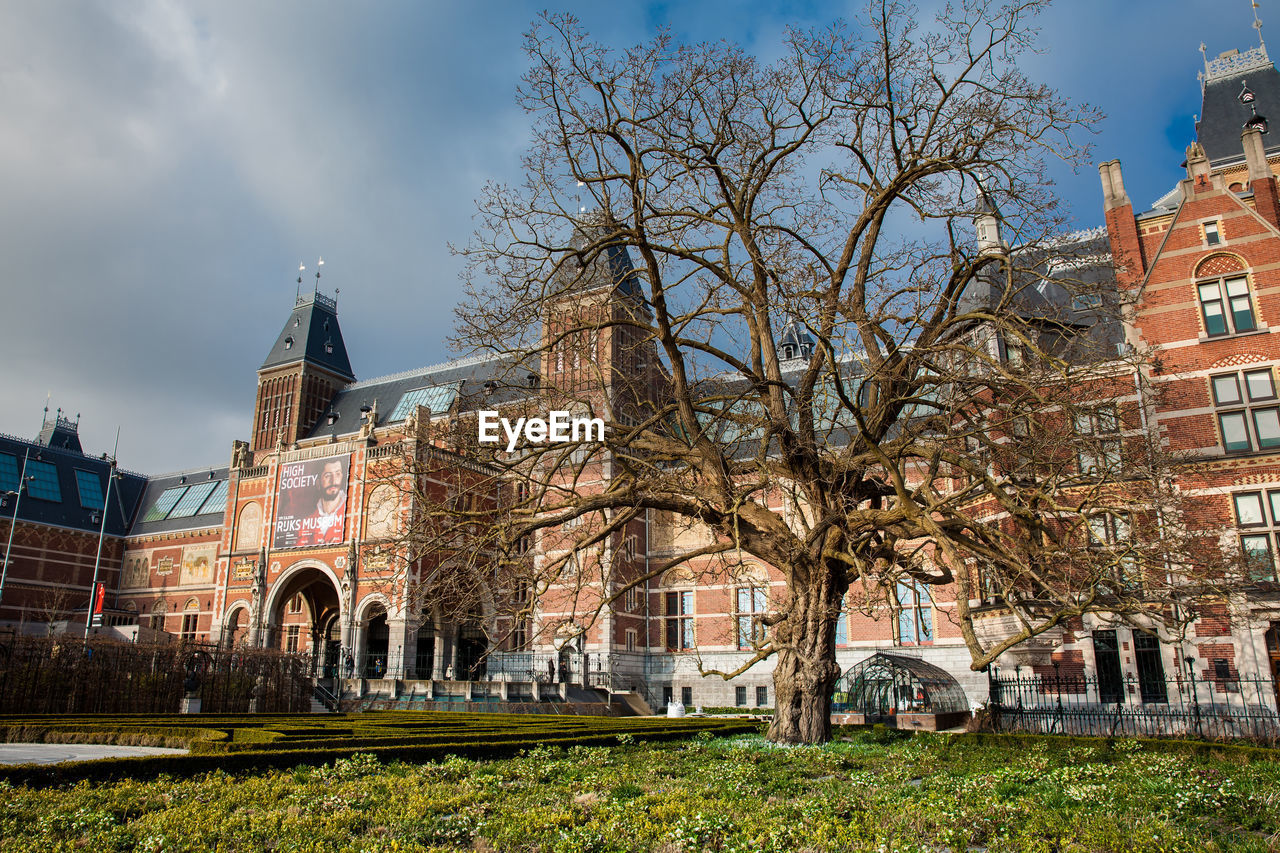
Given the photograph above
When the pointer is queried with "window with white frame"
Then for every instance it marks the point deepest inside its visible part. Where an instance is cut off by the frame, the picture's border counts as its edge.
(679, 620)
(630, 546)
(1100, 429)
(1257, 515)
(632, 638)
(1111, 532)
(752, 603)
(291, 639)
(1212, 233)
(1226, 306)
(1248, 410)
(631, 599)
(915, 614)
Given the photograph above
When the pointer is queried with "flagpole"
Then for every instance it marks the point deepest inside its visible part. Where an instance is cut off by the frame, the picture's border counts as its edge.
(102, 529)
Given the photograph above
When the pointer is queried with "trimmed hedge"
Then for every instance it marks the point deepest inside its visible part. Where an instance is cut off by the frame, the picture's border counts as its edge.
(235, 744)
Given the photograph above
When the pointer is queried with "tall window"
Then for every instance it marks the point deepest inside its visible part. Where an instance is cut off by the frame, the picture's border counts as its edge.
(1106, 658)
(753, 601)
(1110, 532)
(1248, 414)
(842, 626)
(190, 617)
(915, 614)
(1146, 654)
(679, 620)
(291, 640)
(1256, 516)
(158, 613)
(1100, 429)
(1227, 306)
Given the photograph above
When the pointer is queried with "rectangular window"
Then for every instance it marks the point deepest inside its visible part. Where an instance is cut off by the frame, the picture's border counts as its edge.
(1212, 236)
(43, 481)
(89, 485)
(1106, 656)
(1227, 306)
(291, 640)
(632, 638)
(189, 626)
(1256, 516)
(1099, 429)
(915, 614)
(752, 603)
(1248, 417)
(686, 696)
(679, 620)
(762, 696)
(842, 626)
(1146, 654)
(740, 697)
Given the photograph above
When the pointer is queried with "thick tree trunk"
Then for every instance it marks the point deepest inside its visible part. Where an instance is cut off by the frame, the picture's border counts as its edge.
(805, 676)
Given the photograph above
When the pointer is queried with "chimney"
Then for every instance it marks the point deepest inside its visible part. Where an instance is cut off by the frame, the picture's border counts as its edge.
(1122, 228)
(1266, 200)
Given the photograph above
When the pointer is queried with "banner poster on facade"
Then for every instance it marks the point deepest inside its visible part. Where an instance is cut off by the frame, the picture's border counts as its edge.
(99, 597)
(311, 504)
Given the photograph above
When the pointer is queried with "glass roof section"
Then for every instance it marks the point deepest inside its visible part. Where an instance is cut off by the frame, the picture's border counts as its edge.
(89, 485)
(190, 502)
(437, 399)
(217, 500)
(160, 509)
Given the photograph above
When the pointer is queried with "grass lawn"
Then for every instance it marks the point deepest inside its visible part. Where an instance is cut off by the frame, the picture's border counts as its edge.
(926, 793)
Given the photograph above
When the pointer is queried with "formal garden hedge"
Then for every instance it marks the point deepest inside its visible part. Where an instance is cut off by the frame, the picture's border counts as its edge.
(243, 743)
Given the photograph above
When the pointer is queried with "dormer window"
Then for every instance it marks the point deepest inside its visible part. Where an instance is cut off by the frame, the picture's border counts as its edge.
(328, 345)
(490, 387)
(788, 352)
(288, 342)
(332, 419)
(1212, 234)
(531, 380)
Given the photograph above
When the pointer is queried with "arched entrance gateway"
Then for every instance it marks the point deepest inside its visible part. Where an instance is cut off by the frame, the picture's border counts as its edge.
(303, 613)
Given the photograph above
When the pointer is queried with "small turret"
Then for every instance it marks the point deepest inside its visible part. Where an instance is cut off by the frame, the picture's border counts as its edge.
(986, 224)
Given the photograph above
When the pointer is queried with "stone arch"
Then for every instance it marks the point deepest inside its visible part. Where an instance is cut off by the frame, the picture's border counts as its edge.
(235, 624)
(323, 599)
(373, 633)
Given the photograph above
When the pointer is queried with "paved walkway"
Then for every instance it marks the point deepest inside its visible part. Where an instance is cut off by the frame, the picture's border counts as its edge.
(56, 753)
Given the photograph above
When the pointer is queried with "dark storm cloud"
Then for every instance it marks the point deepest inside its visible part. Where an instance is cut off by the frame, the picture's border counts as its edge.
(164, 166)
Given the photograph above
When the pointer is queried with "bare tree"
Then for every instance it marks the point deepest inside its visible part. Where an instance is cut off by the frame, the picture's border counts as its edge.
(767, 280)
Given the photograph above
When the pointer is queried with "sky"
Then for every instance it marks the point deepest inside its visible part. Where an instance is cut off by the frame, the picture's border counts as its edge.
(165, 166)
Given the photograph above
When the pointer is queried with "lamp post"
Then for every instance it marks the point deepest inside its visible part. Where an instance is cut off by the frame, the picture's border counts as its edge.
(97, 560)
(23, 479)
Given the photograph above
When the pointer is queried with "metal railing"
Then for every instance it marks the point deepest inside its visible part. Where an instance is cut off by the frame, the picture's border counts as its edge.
(61, 675)
(1185, 705)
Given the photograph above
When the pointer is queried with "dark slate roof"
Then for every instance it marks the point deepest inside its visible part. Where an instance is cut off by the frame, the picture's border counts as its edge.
(183, 500)
(69, 511)
(452, 386)
(312, 334)
(1222, 116)
(613, 264)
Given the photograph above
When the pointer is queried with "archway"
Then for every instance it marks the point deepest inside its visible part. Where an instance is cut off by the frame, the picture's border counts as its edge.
(377, 635)
(321, 609)
(235, 630)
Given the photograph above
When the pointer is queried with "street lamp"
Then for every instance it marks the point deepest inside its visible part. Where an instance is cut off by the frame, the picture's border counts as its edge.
(23, 479)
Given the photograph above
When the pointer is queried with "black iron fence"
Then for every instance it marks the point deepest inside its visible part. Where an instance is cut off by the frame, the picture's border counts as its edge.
(62, 675)
(1221, 708)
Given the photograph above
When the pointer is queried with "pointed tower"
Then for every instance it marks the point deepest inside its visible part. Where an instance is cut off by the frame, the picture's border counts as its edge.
(986, 224)
(300, 376)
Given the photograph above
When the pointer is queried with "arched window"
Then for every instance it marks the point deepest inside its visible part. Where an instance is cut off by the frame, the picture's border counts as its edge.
(190, 619)
(158, 611)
